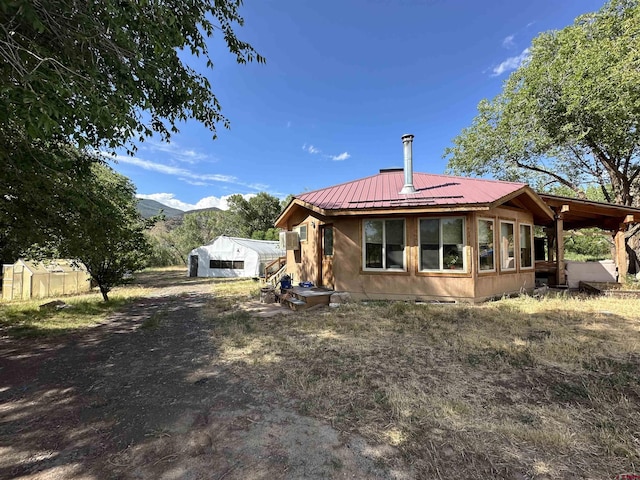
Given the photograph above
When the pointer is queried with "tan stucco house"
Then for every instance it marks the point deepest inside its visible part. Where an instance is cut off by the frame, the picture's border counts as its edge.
(400, 235)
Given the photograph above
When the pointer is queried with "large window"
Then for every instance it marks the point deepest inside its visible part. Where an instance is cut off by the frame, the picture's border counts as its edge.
(507, 246)
(442, 244)
(486, 249)
(526, 252)
(383, 245)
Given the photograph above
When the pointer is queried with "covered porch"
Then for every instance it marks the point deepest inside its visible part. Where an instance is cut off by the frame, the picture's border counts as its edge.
(575, 214)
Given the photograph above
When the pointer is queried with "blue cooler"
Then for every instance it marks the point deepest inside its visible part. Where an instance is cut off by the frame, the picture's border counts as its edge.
(285, 282)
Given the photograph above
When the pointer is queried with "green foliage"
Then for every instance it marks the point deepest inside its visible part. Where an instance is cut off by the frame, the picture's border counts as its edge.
(589, 244)
(270, 234)
(569, 115)
(40, 182)
(258, 214)
(163, 250)
(84, 71)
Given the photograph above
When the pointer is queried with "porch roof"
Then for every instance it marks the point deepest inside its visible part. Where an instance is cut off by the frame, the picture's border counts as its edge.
(578, 213)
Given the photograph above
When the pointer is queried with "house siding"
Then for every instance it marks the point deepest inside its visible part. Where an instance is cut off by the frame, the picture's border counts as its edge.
(406, 285)
(411, 284)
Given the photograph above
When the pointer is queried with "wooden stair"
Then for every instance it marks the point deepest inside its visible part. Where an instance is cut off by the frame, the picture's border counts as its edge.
(274, 271)
(299, 298)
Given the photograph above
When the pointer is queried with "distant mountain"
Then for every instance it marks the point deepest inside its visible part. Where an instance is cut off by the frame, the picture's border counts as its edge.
(198, 210)
(149, 208)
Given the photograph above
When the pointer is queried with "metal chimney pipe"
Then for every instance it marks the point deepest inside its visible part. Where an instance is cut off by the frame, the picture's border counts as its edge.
(408, 187)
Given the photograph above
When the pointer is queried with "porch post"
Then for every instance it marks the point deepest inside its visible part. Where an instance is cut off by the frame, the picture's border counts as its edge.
(621, 253)
(550, 235)
(559, 224)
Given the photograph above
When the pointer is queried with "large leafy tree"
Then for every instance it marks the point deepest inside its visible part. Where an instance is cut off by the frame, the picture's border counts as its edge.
(78, 75)
(255, 215)
(100, 73)
(570, 116)
(106, 232)
(40, 182)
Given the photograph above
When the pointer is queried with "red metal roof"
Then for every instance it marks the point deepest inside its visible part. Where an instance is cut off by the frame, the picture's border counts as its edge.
(381, 191)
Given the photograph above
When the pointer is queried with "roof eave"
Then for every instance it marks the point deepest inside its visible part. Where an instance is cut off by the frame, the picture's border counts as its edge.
(296, 202)
(544, 214)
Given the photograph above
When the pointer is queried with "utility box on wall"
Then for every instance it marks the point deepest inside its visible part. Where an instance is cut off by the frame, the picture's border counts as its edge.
(289, 241)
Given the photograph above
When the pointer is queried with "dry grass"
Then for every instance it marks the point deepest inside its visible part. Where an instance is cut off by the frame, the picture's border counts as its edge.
(519, 388)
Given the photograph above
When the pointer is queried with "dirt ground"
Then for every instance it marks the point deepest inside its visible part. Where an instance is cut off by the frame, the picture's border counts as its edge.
(123, 401)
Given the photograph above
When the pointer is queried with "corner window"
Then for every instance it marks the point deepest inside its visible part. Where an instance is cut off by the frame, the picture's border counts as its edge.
(507, 246)
(383, 245)
(302, 232)
(526, 252)
(486, 249)
(442, 244)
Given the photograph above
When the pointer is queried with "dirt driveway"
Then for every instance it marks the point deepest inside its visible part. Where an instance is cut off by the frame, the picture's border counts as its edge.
(123, 401)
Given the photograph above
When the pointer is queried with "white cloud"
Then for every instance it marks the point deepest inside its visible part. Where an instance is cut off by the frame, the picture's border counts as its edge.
(187, 155)
(511, 63)
(342, 156)
(179, 172)
(310, 148)
(508, 42)
(196, 183)
(170, 200)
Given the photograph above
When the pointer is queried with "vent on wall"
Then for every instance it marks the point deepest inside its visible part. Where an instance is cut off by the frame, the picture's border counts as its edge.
(289, 241)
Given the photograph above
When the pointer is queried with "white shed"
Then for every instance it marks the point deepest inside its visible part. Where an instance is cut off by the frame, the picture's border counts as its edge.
(233, 257)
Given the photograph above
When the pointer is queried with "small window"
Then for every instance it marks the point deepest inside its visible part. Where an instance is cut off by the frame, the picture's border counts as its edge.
(238, 265)
(507, 246)
(302, 232)
(486, 249)
(214, 263)
(526, 252)
(327, 241)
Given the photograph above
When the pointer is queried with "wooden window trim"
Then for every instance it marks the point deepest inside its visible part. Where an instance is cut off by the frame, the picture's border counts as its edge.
(495, 250)
(532, 259)
(513, 223)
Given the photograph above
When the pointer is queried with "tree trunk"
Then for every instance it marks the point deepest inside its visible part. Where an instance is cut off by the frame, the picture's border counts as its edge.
(104, 291)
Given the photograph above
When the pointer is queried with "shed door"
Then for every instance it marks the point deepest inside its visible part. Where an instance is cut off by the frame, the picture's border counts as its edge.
(326, 256)
(193, 266)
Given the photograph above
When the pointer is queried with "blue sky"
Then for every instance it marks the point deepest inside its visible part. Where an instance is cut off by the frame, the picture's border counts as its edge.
(343, 81)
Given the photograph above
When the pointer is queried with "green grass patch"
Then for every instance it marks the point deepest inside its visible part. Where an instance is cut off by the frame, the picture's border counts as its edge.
(26, 319)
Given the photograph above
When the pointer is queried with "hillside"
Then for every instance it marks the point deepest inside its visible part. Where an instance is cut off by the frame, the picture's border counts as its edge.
(149, 208)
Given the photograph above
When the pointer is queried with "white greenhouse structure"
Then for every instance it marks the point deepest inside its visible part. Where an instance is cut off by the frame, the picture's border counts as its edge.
(233, 257)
